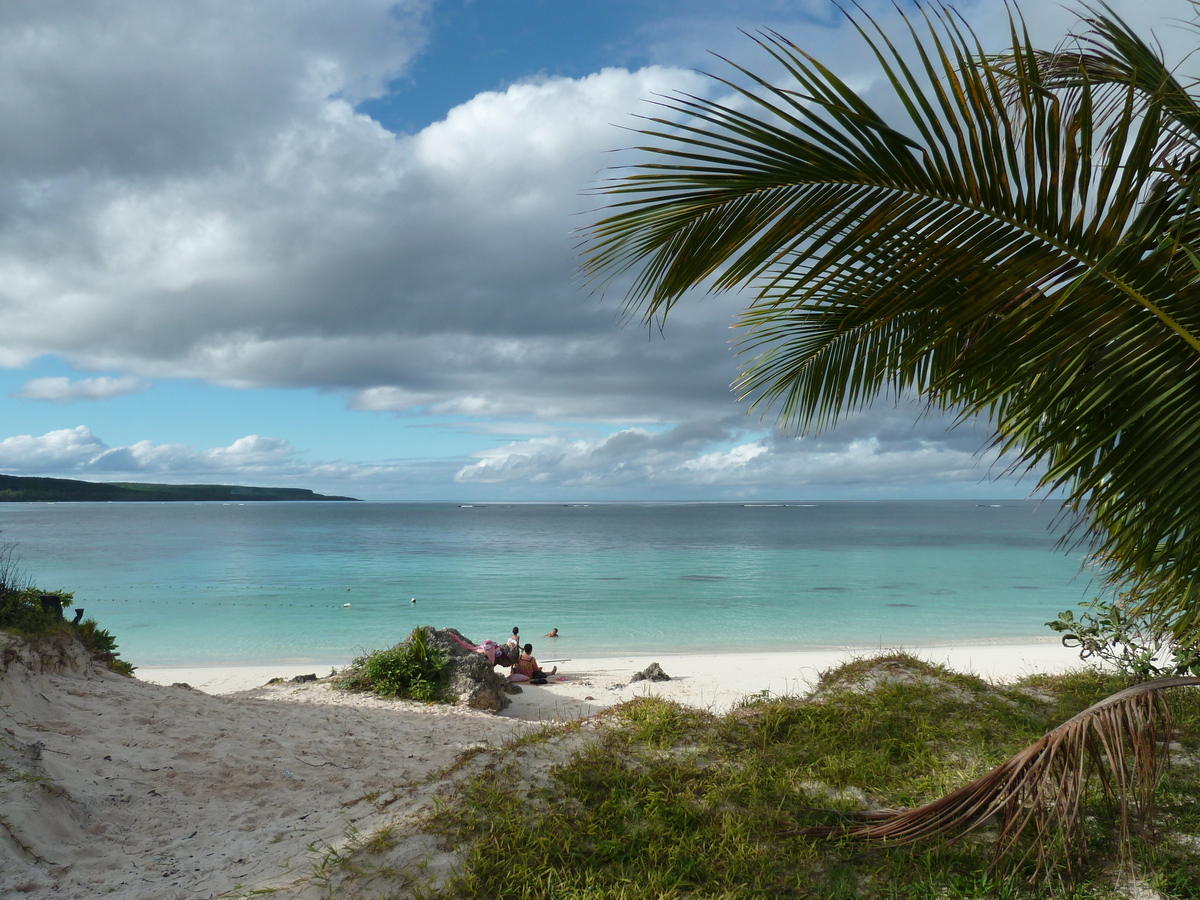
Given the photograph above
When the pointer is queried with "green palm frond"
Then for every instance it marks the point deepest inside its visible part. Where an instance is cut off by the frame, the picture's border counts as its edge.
(1022, 245)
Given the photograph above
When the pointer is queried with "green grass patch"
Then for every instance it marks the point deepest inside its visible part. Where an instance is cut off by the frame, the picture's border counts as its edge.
(670, 802)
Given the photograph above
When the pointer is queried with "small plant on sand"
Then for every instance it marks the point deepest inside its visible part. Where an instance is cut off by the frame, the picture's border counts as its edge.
(1109, 633)
(411, 670)
(21, 609)
(103, 645)
(30, 612)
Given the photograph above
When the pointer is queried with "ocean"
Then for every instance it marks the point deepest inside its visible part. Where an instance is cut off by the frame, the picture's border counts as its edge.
(265, 583)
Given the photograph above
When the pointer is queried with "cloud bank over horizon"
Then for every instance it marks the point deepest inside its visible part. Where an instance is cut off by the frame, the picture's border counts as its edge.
(880, 455)
(193, 192)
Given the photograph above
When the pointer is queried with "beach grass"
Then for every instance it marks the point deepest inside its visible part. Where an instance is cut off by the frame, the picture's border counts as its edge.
(673, 802)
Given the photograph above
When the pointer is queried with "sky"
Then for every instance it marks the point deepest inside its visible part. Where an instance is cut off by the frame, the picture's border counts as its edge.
(336, 246)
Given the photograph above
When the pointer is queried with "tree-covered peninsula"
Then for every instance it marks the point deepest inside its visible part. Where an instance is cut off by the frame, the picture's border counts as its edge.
(18, 489)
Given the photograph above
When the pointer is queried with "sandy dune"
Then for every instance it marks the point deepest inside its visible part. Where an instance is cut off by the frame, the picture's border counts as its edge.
(116, 787)
(120, 787)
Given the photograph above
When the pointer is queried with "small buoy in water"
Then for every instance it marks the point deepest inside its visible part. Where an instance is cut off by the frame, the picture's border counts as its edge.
(413, 600)
(344, 605)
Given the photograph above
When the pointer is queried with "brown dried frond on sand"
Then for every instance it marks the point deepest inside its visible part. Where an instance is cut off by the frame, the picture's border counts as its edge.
(1122, 741)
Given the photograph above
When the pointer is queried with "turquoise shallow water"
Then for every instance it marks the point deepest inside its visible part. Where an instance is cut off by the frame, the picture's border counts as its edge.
(229, 584)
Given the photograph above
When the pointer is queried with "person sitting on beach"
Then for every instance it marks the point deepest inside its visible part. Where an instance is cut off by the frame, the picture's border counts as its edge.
(553, 633)
(527, 669)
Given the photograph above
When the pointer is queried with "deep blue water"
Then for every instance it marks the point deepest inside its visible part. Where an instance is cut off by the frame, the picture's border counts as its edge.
(212, 583)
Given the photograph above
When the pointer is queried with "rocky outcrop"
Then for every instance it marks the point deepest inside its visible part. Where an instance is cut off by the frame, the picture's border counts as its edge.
(473, 681)
(652, 672)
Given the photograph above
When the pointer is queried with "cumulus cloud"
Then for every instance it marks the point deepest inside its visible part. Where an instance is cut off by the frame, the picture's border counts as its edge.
(253, 459)
(139, 88)
(701, 459)
(77, 451)
(187, 190)
(66, 390)
(435, 268)
(698, 459)
(67, 449)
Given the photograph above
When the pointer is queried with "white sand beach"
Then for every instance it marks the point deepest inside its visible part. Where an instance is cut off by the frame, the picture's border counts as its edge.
(140, 788)
(712, 681)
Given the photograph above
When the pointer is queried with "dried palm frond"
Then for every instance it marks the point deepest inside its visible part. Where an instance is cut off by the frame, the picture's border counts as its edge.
(1039, 791)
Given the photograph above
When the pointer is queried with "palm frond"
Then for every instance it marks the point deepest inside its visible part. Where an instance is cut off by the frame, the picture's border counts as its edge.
(1023, 245)
(1036, 797)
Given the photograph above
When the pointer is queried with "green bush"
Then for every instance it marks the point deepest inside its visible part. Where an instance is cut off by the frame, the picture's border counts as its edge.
(1109, 633)
(411, 670)
(22, 611)
(103, 645)
(96, 639)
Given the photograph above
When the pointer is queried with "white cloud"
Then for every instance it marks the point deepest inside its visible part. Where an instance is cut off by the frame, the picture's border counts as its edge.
(435, 269)
(67, 449)
(723, 466)
(253, 459)
(249, 456)
(186, 190)
(66, 390)
(694, 459)
(78, 452)
(388, 399)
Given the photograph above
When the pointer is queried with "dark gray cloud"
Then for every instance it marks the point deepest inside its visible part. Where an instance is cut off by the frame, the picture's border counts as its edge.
(135, 88)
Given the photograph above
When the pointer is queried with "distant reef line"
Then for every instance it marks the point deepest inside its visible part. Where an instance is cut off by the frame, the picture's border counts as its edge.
(20, 489)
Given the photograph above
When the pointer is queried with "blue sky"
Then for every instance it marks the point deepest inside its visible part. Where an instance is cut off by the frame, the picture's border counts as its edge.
(333, 246)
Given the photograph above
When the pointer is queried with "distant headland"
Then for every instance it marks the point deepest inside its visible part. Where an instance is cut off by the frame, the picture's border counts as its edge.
(18, 489)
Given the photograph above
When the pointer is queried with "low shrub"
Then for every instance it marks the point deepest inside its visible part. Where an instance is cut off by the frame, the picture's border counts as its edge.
(23, 612)
(412, 670)
(1109, 632)
(30, 612)
(103, 645)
